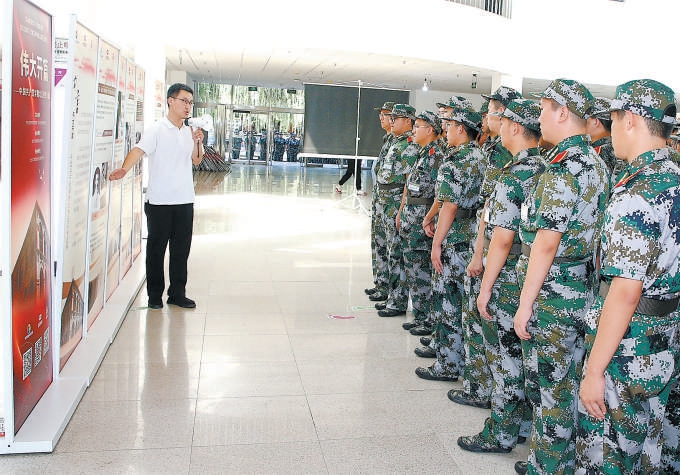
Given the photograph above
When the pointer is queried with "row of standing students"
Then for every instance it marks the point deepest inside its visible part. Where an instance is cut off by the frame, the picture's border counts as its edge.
(542, 268)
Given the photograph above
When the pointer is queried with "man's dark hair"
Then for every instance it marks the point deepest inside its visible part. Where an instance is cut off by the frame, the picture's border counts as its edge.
(531, 134)
(469, 131)
(607, 124)
(178, 86)
(656, 128)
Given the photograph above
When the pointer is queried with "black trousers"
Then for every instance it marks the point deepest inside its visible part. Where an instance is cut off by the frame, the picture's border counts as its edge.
(173, 225)
(350, 171)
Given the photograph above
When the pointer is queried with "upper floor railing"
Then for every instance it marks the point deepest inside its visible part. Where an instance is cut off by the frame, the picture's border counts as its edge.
(499, 7)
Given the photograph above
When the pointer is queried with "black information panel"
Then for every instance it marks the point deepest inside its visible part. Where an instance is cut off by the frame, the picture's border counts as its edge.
(333, 112)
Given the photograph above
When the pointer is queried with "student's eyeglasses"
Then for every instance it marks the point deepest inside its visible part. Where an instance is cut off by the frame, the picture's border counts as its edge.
(187, 102)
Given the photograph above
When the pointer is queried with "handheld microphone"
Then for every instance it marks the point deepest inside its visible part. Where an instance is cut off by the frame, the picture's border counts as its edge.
(204, 122)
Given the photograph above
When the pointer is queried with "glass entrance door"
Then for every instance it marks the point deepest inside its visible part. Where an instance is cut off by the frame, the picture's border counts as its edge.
(250, 139)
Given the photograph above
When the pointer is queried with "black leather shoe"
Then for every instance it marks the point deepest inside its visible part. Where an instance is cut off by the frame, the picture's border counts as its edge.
(425, 340)
(182, 302)
(475, 444)
(427, 373)
(155, 305)
(521, 467)
(381, 306)
(421, 330)
(391, 312)
(458, 396)
(370, 291)
(425, 352)
(377, 297)
(409, 325)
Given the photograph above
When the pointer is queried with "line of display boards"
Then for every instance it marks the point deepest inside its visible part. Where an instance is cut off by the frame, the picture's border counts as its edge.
(72, 107)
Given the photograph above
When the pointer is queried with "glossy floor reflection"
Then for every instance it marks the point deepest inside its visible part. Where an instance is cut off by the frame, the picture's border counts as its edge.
(260, 378)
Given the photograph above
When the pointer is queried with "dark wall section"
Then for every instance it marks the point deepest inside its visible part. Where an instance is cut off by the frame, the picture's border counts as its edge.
(331, 118)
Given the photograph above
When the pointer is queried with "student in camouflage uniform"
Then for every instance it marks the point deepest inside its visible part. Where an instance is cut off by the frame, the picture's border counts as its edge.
(560, 223)
(458, 182)
(498, 299)
(391, 179)
(599, 127)
(634, 326)
(378, 236)
(477, 379)
(417, 199)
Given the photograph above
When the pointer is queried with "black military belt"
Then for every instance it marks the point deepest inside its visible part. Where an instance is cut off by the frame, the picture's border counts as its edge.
(647, 305)
(418, 201)
(390, 186)
(466, 213)
(515, 249)
(526, 250)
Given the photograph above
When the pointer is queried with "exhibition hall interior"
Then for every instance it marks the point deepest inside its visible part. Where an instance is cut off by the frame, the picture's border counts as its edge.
(284, 365)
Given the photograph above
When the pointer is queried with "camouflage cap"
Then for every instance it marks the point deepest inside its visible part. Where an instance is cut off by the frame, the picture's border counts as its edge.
(647, 98)
(457, 102)
(523, 111)
(387, 106)
(572, 94)
(503, 94)
(404, 110)
(485, 108)
(600, 108)
(469, 117)
(432, 119)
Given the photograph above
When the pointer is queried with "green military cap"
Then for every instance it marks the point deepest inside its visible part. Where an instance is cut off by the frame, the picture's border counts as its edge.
(404, 110)
(457, 102)
(601, 108)
(572, 94)
(646, 98)
(469, 117)
(432, 119)
(387, 106)
(523, 111)
(485, 108)
(503, 94)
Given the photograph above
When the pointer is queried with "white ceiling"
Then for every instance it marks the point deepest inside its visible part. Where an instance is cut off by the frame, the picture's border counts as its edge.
(290, 68)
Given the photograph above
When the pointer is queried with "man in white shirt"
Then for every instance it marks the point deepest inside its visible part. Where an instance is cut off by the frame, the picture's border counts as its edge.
(172, 147)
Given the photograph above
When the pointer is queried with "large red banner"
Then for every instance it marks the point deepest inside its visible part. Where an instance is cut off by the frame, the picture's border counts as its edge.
(31, 207)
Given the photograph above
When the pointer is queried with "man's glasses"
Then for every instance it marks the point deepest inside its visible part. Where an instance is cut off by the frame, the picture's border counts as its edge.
(187, 102)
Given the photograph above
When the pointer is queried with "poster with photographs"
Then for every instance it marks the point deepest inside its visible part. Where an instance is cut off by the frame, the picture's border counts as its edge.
(137, 207)
(113, 252)
(130, 106)
(102, 160)
(78, 158)
(31, 213)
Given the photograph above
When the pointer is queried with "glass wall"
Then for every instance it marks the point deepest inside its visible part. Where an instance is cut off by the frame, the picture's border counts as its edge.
(252, 123)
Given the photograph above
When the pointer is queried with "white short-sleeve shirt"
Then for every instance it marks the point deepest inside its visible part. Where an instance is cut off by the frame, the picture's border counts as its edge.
(169, 150)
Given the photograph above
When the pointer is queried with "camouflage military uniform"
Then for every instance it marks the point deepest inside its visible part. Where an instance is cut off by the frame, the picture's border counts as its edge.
(640, 241)
(458, 181)
(478, 380)
(605, 150)
(378, 233)
(510, 409)
(420, 187)
(391, 178)
(569, 198)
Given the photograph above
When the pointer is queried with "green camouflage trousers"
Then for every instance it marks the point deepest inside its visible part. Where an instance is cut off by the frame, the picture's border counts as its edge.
(670, 453)
(378, 246)
(511, 413)
(417, 261)
(387, 208)
(553, 363)
(477, 380)
(638, 381)
(446, 311)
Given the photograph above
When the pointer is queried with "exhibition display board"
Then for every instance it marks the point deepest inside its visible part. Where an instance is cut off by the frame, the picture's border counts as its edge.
(73, 108)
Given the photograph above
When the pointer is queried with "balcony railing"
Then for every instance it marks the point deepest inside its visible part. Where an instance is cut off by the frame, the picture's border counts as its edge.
(499, 7)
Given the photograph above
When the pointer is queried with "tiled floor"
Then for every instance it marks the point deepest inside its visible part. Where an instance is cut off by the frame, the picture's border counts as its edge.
(259, 378)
